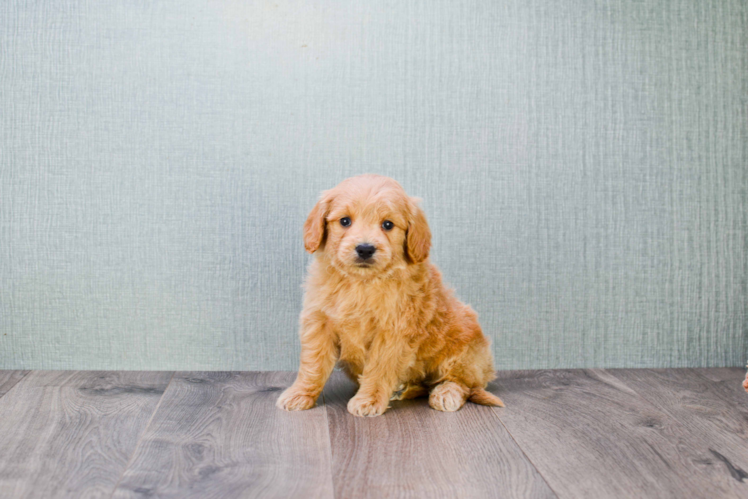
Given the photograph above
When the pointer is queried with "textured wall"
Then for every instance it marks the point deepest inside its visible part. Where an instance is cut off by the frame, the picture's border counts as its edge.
(582, 163)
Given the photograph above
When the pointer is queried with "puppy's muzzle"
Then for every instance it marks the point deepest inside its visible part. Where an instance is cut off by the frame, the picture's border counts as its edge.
(365, 252)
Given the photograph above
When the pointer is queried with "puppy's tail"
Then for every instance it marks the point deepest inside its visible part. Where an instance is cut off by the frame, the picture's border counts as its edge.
(480, 396)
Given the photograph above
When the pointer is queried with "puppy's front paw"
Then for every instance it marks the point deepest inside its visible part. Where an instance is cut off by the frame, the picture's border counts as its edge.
(292, 400)
(366, 406)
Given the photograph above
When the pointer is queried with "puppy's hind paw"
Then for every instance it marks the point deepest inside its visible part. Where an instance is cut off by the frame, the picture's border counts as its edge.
(292, 400)
(410, 392)
(448, 396)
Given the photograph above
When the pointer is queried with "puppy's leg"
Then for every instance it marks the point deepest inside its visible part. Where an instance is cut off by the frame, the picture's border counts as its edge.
(387, 359)
(448, 396)
(318, 355)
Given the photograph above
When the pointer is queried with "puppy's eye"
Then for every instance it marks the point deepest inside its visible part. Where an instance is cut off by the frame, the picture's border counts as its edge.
(345, 221)
(387, 225)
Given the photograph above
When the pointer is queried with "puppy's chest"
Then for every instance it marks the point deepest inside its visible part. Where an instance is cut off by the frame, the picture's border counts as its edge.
(355, 340)
(359, 304)
(357, 315)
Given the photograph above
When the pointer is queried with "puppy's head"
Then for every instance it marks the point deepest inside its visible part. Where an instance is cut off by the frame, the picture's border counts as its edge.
(368, 225)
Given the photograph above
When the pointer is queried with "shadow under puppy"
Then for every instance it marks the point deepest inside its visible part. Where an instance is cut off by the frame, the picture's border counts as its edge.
(375, 304)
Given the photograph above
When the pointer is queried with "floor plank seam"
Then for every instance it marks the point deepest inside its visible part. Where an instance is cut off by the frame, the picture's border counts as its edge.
(140, 438)
(329, 448)
(496, 414)
(28, 372)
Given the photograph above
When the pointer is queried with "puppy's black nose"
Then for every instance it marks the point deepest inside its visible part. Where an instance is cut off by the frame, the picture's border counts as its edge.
(365, 251)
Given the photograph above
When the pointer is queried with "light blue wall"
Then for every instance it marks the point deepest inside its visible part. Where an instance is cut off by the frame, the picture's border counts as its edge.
(582, 163)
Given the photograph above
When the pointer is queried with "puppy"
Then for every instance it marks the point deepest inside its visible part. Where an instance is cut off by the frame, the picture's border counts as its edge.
(377, 306)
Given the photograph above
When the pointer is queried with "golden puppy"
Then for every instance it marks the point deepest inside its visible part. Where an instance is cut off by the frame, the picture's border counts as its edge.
(377, 306)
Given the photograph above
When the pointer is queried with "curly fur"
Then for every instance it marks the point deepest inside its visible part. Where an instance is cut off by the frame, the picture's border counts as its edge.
(390, 324)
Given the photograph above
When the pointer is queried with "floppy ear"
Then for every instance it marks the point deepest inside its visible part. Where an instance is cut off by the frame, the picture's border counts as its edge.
(418, 237)
(314, 227)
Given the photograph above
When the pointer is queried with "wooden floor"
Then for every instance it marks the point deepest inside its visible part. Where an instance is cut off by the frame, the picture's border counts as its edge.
(577, 433)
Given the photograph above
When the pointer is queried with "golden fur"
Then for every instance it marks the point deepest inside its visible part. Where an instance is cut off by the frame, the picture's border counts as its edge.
(391, 324)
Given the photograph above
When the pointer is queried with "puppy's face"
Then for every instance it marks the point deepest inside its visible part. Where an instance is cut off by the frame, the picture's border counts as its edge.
(366, 226)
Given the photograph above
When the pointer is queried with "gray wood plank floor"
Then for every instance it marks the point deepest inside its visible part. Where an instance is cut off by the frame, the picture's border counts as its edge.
(566, 433)
(9, 378)
(706, 412)
(589, 420)
(70, 434)
(219, 434)
(413, 451)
